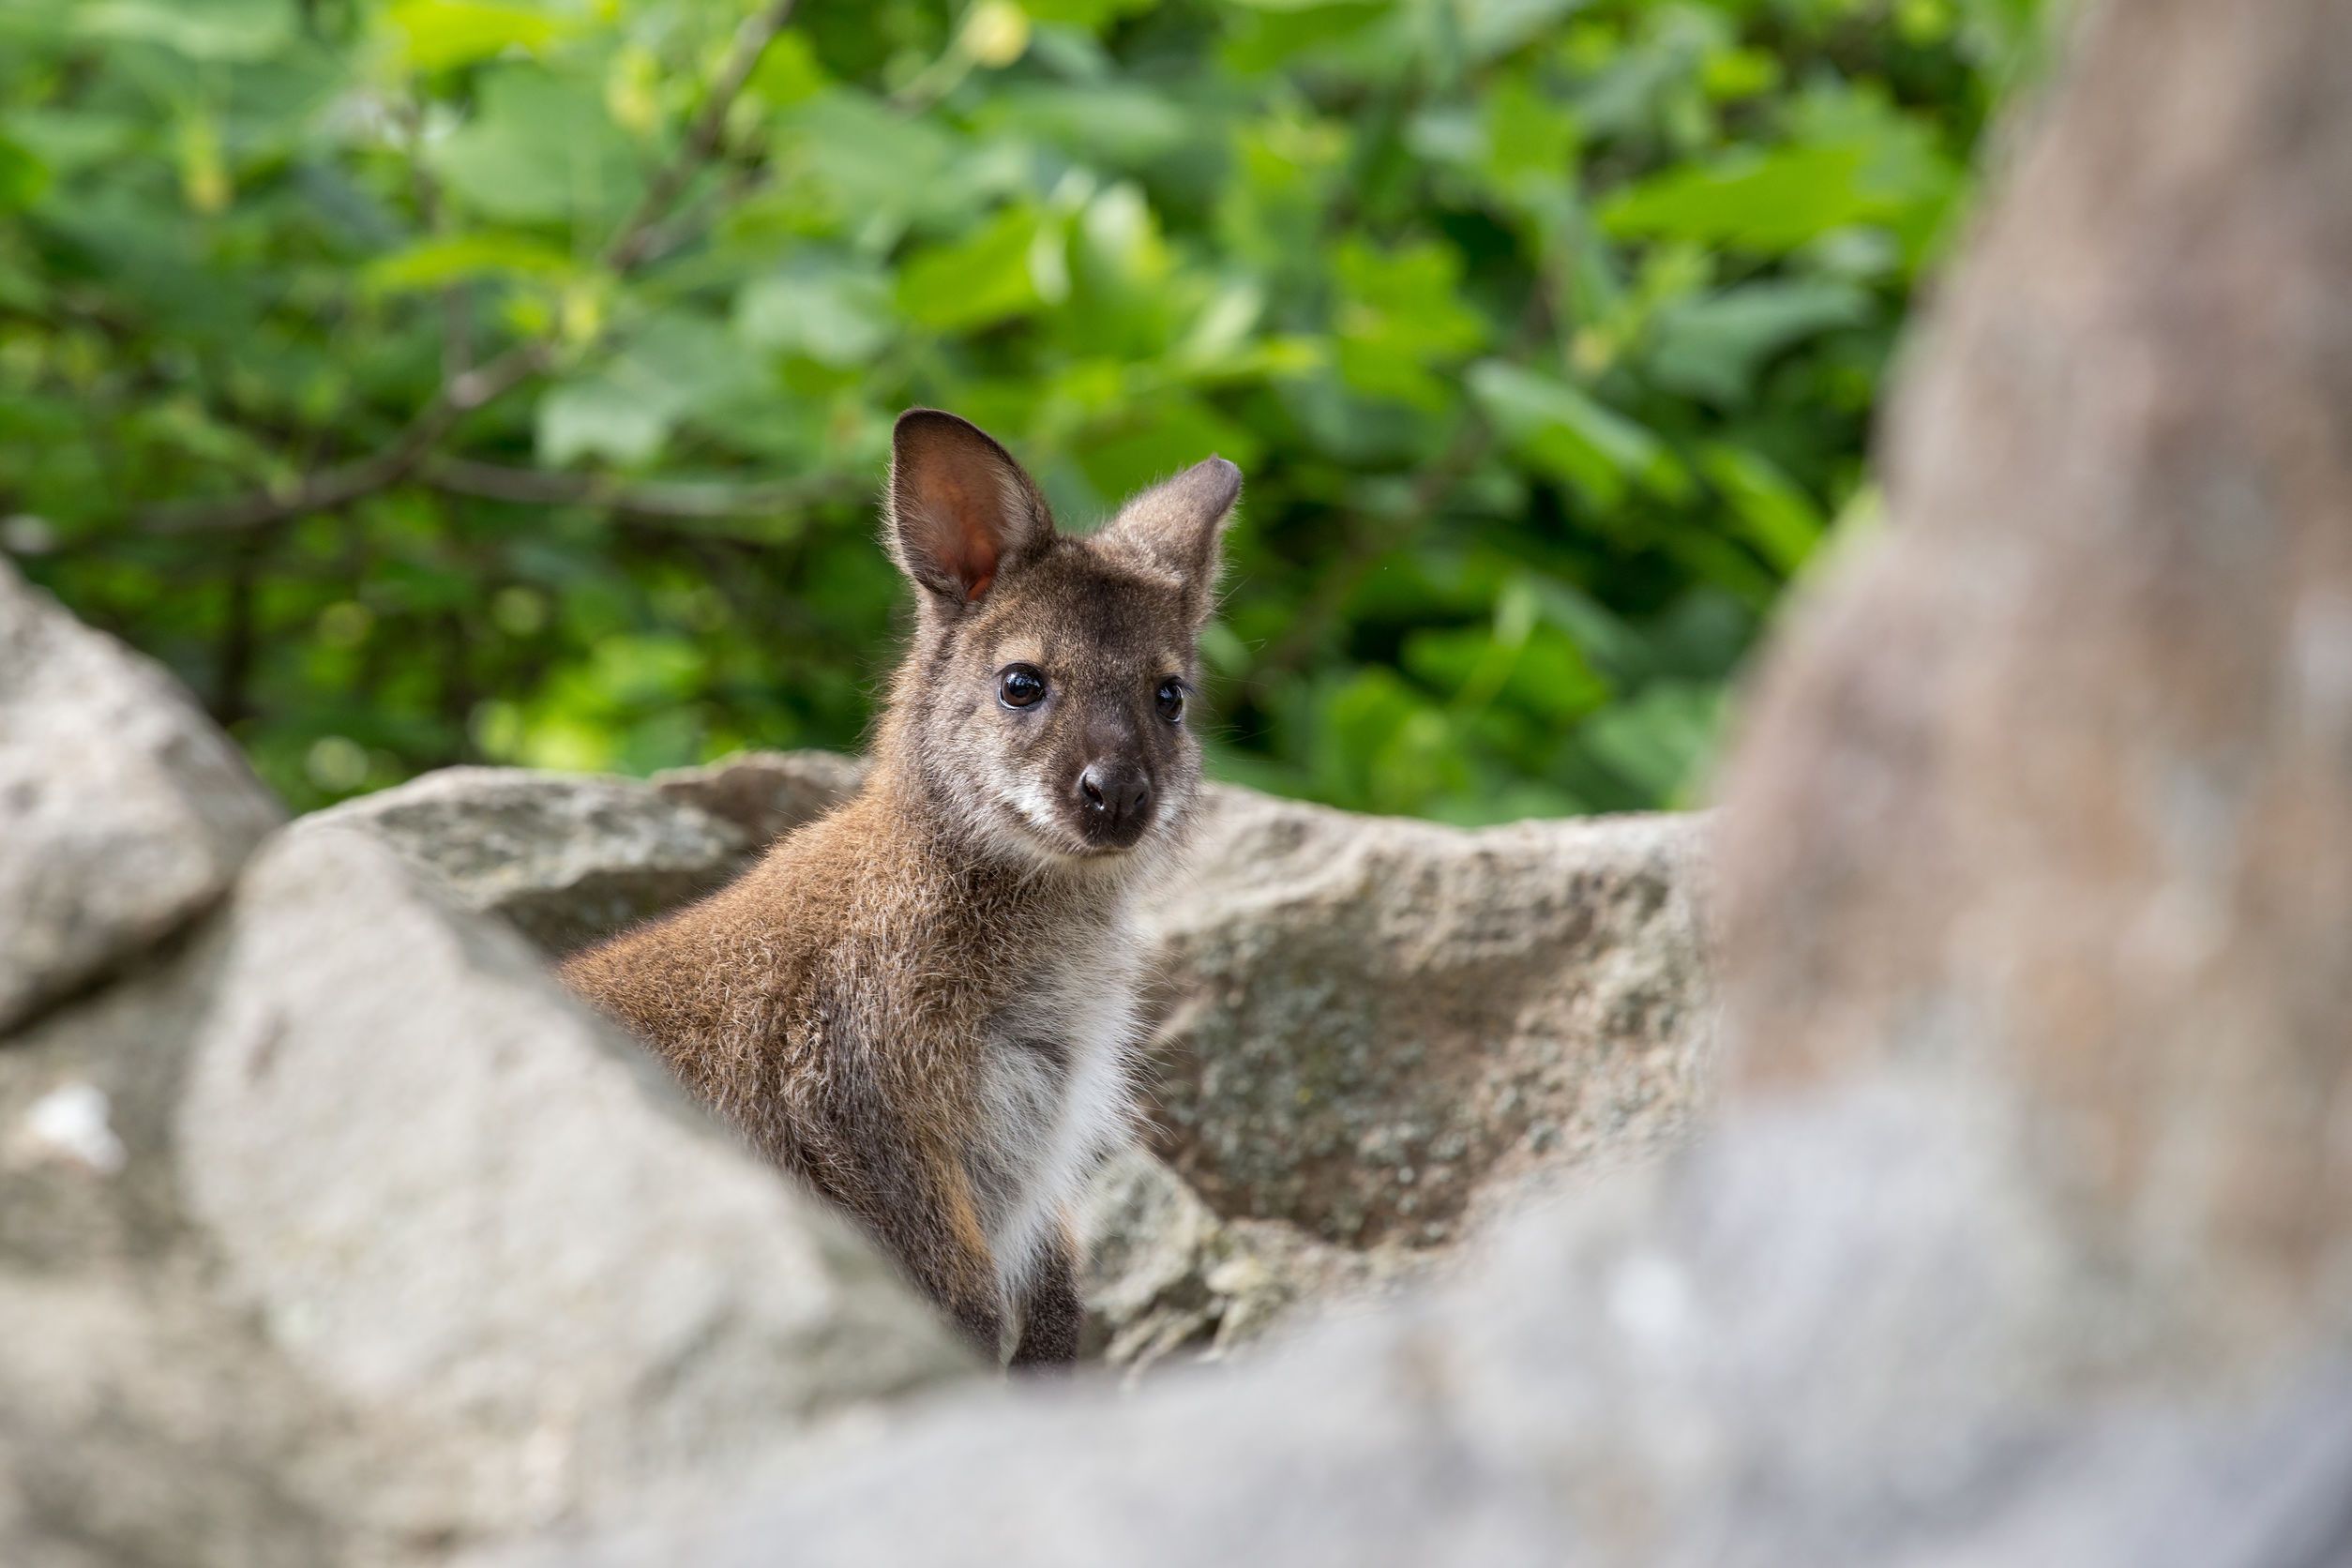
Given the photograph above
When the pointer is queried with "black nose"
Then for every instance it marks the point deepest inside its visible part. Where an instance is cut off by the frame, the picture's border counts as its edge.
(1116, 797)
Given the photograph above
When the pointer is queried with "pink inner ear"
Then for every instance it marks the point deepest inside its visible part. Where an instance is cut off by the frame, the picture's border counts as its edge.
(970, 546)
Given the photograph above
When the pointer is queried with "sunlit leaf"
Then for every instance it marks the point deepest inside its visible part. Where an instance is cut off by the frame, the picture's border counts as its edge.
(23, 176)
(1780, 519)
(987, 278)
(435, 35)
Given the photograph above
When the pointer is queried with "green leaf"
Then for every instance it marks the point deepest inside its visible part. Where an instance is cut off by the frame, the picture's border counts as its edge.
(1779, 518)
(1090, 15)
(990, 276)
(679, 365)
(225, 30)
(828, 308)
(1863, 164)
(1661, 742)
(23, 176)
(789, 71)
(539, 149)
(1122, 457)
(433, 263)
(1712, 347)
(1565, 431)
(436, 34)
(1398, 318)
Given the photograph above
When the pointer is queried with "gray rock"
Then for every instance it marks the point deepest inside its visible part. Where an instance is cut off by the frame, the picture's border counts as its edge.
(336, 1233)
(564, 858)
(1370, 1021)
(1839, 1333)
(122, 811)
(141, 1420)
(1163, 1275)
(767, 793)
(1370, 1029)
(464, 1206)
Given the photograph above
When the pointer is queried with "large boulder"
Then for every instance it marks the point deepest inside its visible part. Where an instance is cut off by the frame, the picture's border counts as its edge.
(464, 1204)
(1369, 1021)
(563, 858)
(1828, 1336)
(123, 810)
(332, 1230)
(1368, 1031)
(2055, 792)
(1163, 1274)
(568, 858)
(142, 1418)
(767, 793)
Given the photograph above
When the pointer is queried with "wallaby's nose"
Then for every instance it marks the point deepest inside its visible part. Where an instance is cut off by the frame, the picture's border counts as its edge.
(1116, 798)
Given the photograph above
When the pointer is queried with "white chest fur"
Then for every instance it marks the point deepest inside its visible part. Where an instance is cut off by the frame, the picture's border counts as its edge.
(1056, 1092)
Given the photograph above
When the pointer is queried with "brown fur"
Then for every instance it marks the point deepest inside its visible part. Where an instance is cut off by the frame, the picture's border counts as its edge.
(921, 1004)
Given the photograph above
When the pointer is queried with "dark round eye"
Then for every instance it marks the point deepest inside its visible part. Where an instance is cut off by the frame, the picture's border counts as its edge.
(1171, 700)
(1019, 685)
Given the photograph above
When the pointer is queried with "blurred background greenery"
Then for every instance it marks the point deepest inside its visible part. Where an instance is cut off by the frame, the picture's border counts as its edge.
(429, 381)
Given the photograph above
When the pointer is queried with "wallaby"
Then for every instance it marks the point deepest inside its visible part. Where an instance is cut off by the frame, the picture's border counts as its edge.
(923, 1006)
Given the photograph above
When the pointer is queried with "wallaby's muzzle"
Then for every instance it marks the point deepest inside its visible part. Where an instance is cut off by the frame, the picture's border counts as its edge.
(1114, 803)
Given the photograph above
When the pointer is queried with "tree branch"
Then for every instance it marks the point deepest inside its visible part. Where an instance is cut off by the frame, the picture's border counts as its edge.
(628, 248)
(685, 500)
(465, 390)
(335, 487)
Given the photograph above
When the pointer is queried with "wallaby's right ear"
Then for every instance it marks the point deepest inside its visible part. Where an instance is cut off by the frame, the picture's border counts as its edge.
(962, 512)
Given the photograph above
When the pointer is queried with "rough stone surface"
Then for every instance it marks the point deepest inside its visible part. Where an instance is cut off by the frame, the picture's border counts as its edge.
(564, 858)
(1370, 1030)
(142, 1421)
(122, 811)
(2057, 787)
(767, 793)
(1164, 1274)
(463, 1204)
(1368, 1020)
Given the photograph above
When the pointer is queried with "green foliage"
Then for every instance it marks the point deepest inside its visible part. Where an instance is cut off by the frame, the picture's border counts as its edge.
(433, 380)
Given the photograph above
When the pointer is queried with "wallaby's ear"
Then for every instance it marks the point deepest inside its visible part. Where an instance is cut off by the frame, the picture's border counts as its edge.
(1178, 525)
(962, 512)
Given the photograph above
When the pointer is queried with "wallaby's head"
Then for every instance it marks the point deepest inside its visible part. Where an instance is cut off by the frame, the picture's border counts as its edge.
(1045, 699)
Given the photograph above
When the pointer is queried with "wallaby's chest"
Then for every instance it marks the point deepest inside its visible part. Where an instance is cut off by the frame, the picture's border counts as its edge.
(1053, 1090)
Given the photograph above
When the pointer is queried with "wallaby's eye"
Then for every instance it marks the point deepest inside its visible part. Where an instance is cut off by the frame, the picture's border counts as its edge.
(1171, 700)
(1019, 685)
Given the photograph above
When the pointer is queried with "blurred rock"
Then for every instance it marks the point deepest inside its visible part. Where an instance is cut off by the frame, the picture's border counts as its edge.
(767, 793)
(123, 810)
(1824, 1338)
(333, 1232)
(462, 1202)
(141, 1420)
(1369, 1021)
(2055, 791)
(564, 858)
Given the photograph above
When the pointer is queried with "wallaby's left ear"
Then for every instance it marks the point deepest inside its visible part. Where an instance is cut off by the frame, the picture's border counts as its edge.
(1178, 525)
(961, 512)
